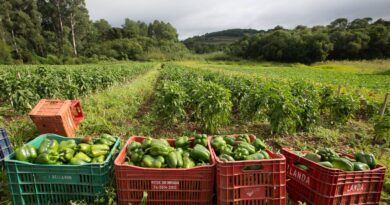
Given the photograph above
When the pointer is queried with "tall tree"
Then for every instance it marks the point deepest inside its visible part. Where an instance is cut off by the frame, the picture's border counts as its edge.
(78, 19)
(22, 24)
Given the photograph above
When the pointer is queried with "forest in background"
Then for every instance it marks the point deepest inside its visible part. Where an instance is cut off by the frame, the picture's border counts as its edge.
(61, 32)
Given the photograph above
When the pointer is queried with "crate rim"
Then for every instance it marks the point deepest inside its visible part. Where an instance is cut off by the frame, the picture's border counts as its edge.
(332, 170)
(119, 162)
(9, 159)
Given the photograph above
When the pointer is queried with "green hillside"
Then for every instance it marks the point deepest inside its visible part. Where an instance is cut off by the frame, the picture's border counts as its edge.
(216, 41)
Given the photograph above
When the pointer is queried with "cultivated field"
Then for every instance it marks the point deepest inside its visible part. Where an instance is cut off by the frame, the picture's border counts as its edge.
(288, 105)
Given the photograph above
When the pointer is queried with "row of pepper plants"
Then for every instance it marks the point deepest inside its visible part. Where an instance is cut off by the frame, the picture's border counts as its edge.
(213, 98)
(22, 86)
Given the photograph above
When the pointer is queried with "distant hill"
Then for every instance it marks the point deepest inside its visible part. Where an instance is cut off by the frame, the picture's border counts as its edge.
(216, 41)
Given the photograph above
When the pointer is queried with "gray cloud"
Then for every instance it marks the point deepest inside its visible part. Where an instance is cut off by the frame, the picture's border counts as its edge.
(195, 17)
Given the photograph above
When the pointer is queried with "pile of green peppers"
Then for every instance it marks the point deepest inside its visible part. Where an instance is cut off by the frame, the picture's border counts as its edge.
(158, 153)
(67, 151)
(229, 148)
(329, 158)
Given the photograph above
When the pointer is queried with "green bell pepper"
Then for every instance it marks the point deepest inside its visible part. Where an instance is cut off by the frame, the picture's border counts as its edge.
(133, 146)
(66, 154)
(136, 155)
(175, 159)
(366, 158)
(77, 161)
(327, 154)
(200, 153)
(201, 139)
(247, 146)
(243, 138)
(201, 163)
(100, 159)
(47, 145)
(226, 158)
(218, 143)
(98, 150)
(230, 140)
(129, 163)
(83, 156)
(240, 153)
(109, 139)
(150, 162)
(104, 142)
(71, 144)
(83, 147)
(26, 153)
(343, 164)
(359, 166)
(161, 141)
(172, 159)
(256, 156)
(227, 149)
(159, 148)
(188, 162)
(259, 144)
(146, 143)
(49, 157)
(179, 159)
(182, 142)
(265, 154)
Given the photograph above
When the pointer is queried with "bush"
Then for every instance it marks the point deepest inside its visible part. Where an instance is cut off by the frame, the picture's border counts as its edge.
(211, 105)
(382, 130)
(308, 99)
(254, 103)
(170, 102)
(342, 108)
(283, 113)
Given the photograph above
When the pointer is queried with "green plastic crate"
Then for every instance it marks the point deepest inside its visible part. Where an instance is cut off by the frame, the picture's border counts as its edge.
(58, 184)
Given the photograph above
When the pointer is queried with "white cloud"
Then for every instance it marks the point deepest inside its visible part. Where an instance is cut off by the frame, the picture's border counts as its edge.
(194, 17)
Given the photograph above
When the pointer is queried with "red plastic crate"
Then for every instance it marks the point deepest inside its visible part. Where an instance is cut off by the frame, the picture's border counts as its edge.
(325, 186)
(164, 185)
(57, 116)
(265, 186)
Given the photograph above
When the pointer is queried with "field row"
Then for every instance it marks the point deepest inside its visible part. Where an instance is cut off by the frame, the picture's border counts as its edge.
(23, 86)
(370, 82)
(209, 98)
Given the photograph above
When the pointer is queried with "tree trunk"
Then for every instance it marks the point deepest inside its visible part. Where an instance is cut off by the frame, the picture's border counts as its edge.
(16, 45)
(72, 26)
(60, 16)
(61, 32)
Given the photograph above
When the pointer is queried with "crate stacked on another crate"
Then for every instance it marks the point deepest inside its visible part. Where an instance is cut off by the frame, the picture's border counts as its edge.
(5, 146)
(57, 116)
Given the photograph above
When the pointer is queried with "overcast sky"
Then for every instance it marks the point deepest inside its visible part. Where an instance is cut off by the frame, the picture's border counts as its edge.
(196, 17)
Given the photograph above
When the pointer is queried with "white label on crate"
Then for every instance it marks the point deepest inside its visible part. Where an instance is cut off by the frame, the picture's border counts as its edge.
(55, 178)
(164, 185)
(298, 175)
(355, 188)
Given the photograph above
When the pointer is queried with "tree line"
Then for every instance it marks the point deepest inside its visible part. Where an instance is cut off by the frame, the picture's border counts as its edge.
(340, 40)
(60, 31)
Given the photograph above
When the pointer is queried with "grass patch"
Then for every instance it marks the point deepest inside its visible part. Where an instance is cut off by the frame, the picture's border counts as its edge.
(112, 111)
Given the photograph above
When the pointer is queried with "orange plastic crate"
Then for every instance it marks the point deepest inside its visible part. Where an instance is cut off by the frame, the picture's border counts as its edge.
(165, 185)
(238, 186)
(57, 116)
